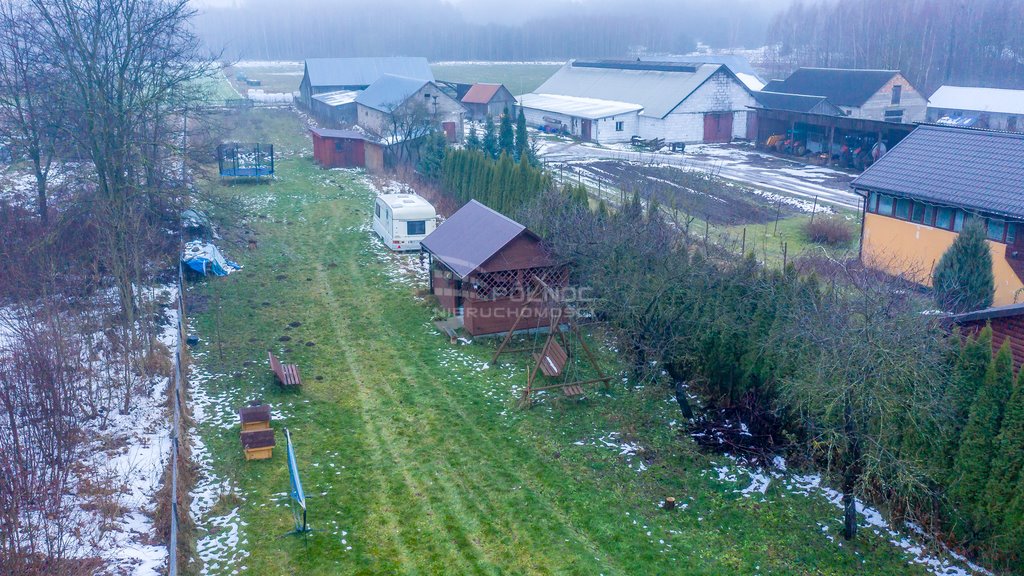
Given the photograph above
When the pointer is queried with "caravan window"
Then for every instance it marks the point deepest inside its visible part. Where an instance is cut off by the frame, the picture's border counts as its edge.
(416, 227)
(376, 206)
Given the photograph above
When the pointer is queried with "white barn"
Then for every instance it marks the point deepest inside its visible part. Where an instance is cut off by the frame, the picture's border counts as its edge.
(991, 108)
(680, 102)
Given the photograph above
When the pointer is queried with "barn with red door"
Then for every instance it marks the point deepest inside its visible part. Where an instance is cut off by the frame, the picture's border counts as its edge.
(346, 149)
(676, 101)
(482, 264)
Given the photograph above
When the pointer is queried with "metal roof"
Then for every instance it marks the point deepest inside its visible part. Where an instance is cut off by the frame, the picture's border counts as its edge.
(739, 65)
(993, 100)
(842, 86)
(389, 91)
(364, 71)
(337, 98)
(972, 169)
(481, 93)
(654, 87)
(347, 134)
(796, 103)
(589, 108)
(471, 237)
(988, 313)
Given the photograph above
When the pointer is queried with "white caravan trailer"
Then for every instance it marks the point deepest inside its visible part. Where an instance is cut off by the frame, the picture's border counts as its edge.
(402, 220)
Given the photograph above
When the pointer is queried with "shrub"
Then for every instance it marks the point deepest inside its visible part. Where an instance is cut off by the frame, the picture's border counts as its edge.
(833, 231)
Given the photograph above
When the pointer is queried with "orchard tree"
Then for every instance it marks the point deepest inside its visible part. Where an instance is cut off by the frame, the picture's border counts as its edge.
(963, 279)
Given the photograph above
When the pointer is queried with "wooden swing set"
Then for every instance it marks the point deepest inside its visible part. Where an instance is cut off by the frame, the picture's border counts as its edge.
(553, 357)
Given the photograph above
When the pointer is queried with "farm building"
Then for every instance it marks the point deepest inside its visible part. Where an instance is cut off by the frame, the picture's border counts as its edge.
(322, 75)
(335, 109)
(482, 263)
(814, 127)
(883, 95)
(920, 193)
(589, 119)
(398, 108)
(738, 65)
(991, 108)
(346, 149)
(1007, 323)
(679, 102)
(483, 100)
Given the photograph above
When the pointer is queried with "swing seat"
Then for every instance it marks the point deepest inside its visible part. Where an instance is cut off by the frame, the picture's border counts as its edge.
(552, 359)
(573, 390)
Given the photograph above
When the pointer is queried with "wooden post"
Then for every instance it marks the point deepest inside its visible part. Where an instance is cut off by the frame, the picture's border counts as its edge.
(743, 243)
(785, 250)
(778, 212)
(815, 208)
(670, 503)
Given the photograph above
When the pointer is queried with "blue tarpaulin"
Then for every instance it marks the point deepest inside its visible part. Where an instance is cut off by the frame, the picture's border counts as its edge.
(205, 258)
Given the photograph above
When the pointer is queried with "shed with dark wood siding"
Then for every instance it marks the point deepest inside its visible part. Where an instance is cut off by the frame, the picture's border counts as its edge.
(346, 149)
(482, 265)
(1007, 324)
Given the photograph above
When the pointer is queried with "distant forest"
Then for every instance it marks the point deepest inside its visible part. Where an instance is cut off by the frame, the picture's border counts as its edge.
(294, 30)
(934, 42)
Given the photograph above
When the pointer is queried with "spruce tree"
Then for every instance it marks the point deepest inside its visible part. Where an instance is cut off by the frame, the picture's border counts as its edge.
(522, 136)
(506, 139)
(1008, 459)
(490, 142)
(977, 444)
(963, 278)
(473, 139)
(602, 210)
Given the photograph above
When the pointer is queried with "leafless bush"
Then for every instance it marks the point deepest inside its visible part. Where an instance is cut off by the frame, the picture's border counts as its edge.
(833, 231)
(40, 441)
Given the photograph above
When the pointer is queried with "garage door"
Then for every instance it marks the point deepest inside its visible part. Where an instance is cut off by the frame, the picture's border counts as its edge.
(718, 127)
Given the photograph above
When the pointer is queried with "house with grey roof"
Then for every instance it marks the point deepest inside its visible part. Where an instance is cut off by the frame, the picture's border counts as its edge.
(883, 95)
(918, 196)
(399, 108)
(610, 101)
(322, 75)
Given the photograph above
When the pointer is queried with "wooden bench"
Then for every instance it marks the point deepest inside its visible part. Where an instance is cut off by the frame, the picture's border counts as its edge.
(287, 374)
(552, 359)
(255, 417)
(258, 444)
(573, 390)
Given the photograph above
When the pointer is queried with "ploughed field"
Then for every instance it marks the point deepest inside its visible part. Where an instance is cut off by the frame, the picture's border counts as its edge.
(413, 452)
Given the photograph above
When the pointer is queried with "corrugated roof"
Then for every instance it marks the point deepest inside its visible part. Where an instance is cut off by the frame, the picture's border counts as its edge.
(389, 91)
(739, 65)
(337, 98)
(973, 169)
(659, 91)
(796, 103)
(364, 71)
(470, 237)
(993, 100)
(842, 86)
(481, 93)
(590, 108)
(347, 134)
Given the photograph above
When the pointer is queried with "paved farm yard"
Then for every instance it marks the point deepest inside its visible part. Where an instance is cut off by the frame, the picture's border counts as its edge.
(413, 453)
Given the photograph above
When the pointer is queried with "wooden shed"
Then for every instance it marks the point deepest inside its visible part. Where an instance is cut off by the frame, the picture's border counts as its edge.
(1007, 324)
(482, 264)
(346, 149)
(483, 100)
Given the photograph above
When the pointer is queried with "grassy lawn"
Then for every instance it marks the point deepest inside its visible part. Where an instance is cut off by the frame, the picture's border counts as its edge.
(414, 455)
